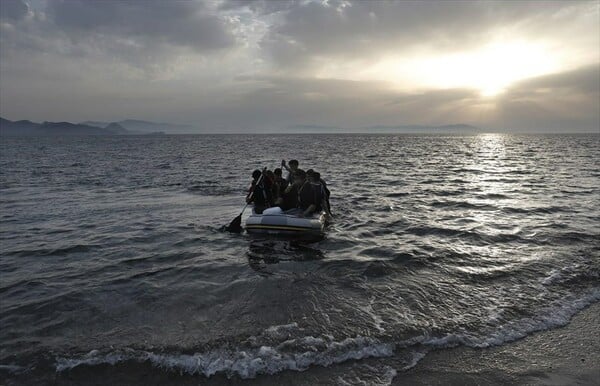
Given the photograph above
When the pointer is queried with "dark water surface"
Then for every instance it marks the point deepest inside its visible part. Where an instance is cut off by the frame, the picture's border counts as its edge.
(111, 252)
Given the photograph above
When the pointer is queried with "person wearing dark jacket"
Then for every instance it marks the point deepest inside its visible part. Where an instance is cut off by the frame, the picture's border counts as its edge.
(321, 185)
(273, 186)
(280, 183)
(260, 192)
(289, 197)
(307, 197)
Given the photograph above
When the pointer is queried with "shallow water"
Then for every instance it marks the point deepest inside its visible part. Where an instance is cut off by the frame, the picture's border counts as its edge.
(111, 252)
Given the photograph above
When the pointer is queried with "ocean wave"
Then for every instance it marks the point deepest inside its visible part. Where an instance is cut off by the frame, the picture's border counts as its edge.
(471, 235)
(457, 205)
(557, 315)
(379, 376)
(536, 210)
(13, 369)
(298, 354)
(63, 251)
(574, 273)
(294, 354)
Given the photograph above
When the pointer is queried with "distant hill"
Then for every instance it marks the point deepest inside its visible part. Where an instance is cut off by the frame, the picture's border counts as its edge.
(445, 129)
(57, 128)
(404, 129)
(133, 126)
(145, 127)
(24, 127)
(116, 128)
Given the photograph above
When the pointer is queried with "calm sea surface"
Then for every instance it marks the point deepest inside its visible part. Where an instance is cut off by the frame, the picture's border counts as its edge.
(111, 252)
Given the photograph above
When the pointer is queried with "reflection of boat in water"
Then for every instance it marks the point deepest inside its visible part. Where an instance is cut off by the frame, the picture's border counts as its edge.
(274, 221)
(264, 251)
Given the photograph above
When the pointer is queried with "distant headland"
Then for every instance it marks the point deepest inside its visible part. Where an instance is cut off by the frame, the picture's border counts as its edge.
(139, 127)
(125, 127)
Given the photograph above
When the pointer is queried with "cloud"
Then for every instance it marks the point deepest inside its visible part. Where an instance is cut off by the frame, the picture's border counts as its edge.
(567, 101)
(311, 33)
(142, 38)
(149, 22)
(582, 80)
(13, 10)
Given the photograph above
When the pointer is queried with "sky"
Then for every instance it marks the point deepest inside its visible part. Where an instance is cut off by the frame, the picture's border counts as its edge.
(252, 66)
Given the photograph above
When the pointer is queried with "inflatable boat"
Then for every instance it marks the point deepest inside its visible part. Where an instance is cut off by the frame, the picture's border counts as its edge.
(275, 221)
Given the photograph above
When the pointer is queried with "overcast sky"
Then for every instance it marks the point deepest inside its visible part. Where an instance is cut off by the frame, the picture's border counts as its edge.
(266, 65)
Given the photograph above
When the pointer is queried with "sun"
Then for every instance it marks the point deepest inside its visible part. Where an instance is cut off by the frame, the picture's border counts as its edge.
(489, 69)
(494, 67)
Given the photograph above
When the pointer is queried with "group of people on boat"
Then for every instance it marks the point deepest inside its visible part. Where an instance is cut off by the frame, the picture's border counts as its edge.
(304, 191)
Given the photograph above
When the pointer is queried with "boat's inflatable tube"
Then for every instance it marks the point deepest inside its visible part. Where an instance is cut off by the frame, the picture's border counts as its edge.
(277, 222)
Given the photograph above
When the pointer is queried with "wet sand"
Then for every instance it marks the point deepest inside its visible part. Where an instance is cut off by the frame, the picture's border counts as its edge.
(564, 356)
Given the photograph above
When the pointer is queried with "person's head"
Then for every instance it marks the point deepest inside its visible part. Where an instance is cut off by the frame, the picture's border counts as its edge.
(278, 172)
(270, 174)
(309, 172)
(256, 174)
(315, 177)
(293, 164)
(299, 176)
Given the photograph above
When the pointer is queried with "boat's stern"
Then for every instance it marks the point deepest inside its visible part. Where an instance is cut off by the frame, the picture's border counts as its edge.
(285, 223)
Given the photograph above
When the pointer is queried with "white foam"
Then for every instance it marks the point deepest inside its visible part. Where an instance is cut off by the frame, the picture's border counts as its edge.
(93, 358)
(302, 352)
(12, 368)
(247, 363)
(366, 375)
(389, 375)
(282, 327)
(377, 320)
(557, 315)
(416, 357)
(557, 275)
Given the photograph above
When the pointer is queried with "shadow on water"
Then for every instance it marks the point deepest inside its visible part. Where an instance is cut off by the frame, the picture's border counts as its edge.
(264, 251)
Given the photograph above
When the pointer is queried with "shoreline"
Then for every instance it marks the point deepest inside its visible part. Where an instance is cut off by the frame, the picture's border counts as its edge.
(565, 355)
(568, 355)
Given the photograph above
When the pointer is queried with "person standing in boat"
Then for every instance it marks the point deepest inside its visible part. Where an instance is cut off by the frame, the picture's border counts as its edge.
(293, 166)
(260, 192)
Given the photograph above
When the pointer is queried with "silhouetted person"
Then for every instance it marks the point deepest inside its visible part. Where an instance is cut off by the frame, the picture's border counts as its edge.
(293, 166)
(320, 192)
(260, 192)
(307, 197)
(315, 178)
(272, 185)
(280, 183)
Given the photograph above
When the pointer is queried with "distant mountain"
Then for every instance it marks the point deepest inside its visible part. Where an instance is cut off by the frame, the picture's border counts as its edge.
(145, 127)
(116, 128)
(95, 123)
(445, 129)
(24, 127)
(404, 129)
(56, 128)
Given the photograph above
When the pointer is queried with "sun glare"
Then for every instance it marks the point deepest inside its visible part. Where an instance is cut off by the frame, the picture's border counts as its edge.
(490, 69)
